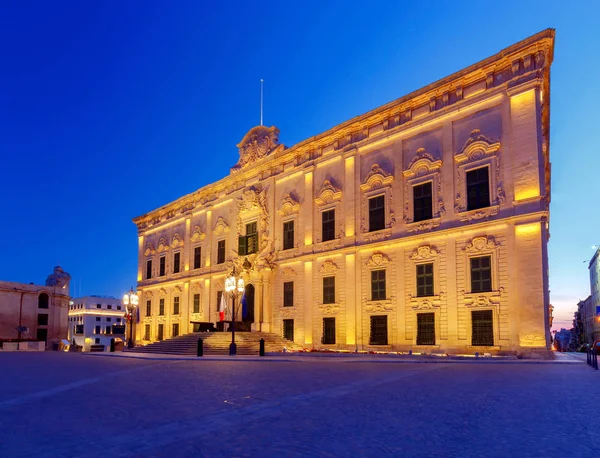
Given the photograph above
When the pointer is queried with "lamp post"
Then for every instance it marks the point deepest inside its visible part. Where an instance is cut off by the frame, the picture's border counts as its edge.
(130, 301)
(234, 286)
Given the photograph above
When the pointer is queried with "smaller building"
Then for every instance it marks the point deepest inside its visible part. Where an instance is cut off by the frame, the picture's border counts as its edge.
(586, 320)
(95, 320)
(30, 312)
(594, 305)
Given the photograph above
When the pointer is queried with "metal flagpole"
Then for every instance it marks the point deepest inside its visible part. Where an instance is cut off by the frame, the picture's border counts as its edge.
(261, 100)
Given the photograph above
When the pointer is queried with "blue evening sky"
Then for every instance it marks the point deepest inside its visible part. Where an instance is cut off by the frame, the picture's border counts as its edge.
(111, 109)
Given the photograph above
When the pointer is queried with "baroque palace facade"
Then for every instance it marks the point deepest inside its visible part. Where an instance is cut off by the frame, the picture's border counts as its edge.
(420, 225)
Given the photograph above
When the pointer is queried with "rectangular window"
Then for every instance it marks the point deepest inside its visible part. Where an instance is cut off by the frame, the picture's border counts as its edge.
(149, 268)
(422, 202)
(118, 329)
(196, 308)
(108, 330)
(328, 290)
(118, 320)
(147, 332)
(288, 235)
(288, 294)
(148, 308)
(251, 238)
(328, 225)
(220, 251)
(378, 285)
(176, 262)
(161, 267)
(219, 296)
(197, 257)
(109, 307)
(481, 274)
(288, 329)
(108, 320)
(328, 331)
(97, 340)
(425, 328)
(118, 307)
(78, 329)
(176, 305)
(161, 332)
(376, 213)
(161, 307)
(482, 323)
(424, 280)
(42, 335)
(175, 330)
(98, 306)
(98, 318)
(379, 332)
(478, 189)
(97, 330)
(42, 319)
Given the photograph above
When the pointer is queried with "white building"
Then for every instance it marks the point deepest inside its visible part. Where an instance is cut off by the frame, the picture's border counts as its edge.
(95, 320)
(595, 295)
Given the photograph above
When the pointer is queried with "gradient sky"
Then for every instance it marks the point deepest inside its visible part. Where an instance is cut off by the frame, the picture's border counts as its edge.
(111, 109)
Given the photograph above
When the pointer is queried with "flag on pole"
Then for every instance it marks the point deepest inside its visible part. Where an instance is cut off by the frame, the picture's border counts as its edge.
(244, 308)
(222, 308)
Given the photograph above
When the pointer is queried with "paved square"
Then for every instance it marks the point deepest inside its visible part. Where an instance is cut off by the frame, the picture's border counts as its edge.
(59, 404)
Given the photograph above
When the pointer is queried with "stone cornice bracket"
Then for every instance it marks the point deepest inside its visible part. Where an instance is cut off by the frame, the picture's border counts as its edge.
(377, 178)
(378, 260)
(483, 243)
(476, 147)
(221, 227)
(424, 252)
(162, 245)
(328, 267)
(328, 193)
(197, 234)
(259, 142)
(289, 205)
(422, 164)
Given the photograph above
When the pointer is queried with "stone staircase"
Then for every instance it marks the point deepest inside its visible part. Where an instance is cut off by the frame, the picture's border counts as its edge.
(217, 343)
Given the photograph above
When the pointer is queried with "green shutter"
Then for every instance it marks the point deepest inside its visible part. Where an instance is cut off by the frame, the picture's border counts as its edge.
(241, 245)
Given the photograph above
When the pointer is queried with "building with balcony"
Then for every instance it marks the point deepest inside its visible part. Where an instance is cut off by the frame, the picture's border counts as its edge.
(421, 225)
(95, 320)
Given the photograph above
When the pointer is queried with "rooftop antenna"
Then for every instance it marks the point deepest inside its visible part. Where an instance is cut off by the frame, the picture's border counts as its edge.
(262, 82)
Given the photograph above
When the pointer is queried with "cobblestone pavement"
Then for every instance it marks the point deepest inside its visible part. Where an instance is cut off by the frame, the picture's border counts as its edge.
(62, 405)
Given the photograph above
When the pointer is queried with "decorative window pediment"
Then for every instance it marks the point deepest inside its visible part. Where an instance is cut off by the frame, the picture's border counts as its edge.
(197, 234)
(162, 245)
(377, 178)
(289, 205)
(149, 251)
(424, 252)
(328, 194)
(162, 292)
(481, 244)
(221, 227)
(422, 164)
(378, 260)
(177, 289)
(288, 272)
(176, 241)
(328, 267)
(476, 147)
(196, 287)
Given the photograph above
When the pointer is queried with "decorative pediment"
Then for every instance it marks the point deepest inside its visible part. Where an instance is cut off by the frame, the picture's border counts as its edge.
(162, 245)
(177, 289)
(379, 306)
(221, 227)
(422, 164)
(378, 260)
(377, 178)
(197, 234)
(149, 251)
(329, 309)
(162, 292)
(259, 142)
(328, 267)
(289, 205)
(250, 200)
(328, 193)
(288, 272)
(147, 294)
(488, 299)
(476, 147)
(196, 286)
(483, 243)
(424, 252)
(176, 241)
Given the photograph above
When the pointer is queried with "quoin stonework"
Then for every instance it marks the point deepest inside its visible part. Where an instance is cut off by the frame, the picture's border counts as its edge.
(421, 225)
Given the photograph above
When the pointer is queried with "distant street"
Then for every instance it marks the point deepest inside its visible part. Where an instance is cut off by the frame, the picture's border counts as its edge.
(60, 405)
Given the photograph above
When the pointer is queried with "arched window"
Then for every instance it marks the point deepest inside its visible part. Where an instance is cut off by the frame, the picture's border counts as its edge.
(43, 300)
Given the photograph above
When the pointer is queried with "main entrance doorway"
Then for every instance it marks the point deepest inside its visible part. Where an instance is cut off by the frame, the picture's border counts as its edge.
(248, 308)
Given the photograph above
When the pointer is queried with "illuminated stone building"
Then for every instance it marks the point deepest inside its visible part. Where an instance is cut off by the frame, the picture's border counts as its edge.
(422, 224)
(95, 321)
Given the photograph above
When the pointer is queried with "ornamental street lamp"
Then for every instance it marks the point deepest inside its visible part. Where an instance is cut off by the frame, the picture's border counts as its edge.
(130, 301)
(234, 286)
